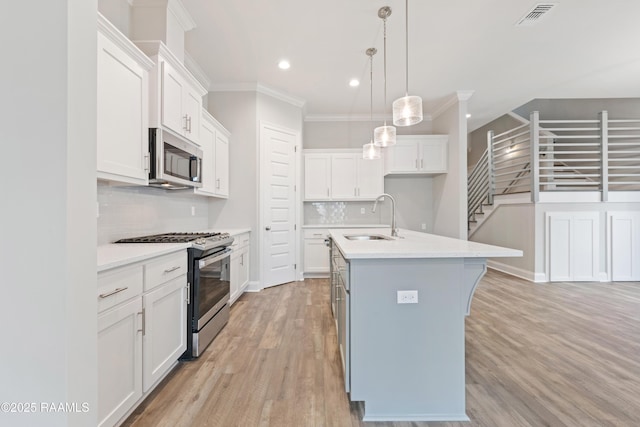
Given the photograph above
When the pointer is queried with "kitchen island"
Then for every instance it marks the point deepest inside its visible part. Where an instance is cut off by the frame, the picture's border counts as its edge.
(400, 304)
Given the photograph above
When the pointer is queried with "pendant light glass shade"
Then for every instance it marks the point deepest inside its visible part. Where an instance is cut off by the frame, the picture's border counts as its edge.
(371, 151)
(407, 110)
(384, 136)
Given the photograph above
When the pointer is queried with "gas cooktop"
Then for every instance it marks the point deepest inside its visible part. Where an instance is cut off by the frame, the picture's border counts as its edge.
(200, 240)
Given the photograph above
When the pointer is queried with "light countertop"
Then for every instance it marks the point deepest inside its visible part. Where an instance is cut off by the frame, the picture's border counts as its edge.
(118, 254)
(114, 255)
(346, 226)
(413, 244)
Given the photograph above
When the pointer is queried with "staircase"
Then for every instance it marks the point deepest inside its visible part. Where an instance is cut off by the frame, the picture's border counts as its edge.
(549, 156)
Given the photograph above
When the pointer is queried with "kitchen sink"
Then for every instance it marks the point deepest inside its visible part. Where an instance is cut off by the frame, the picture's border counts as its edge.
(368, 237)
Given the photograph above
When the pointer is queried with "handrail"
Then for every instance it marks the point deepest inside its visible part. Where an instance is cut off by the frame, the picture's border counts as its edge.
(550, 155)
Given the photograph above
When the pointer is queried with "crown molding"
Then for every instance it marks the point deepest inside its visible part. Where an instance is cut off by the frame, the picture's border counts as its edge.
(461, 95)
(112, 33)
(464, 95)
(353, 117)
(195, 69)
(260, 88)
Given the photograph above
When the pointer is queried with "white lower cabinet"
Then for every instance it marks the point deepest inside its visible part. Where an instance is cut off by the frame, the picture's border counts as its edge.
(164, 340)
(316, 252)
(119, 361)
(142, 326)
(239, 266)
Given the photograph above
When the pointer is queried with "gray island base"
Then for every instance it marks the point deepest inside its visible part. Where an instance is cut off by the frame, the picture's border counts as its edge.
(404, 354)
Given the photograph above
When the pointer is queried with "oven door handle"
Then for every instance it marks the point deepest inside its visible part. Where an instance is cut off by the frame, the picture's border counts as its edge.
(214, 258)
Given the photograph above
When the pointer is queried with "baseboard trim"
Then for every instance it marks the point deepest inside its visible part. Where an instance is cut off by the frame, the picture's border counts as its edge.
(415, 417)
(253, 287)
(514, 271)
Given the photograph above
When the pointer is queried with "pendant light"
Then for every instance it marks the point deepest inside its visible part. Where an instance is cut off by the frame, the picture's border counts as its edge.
(384, 136)
(371, 151)
(407, 110)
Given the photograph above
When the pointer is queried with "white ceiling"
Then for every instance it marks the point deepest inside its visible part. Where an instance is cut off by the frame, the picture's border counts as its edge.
(581, 49)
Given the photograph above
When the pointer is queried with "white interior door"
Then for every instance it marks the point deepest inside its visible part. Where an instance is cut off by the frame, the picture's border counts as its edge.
(278, 205)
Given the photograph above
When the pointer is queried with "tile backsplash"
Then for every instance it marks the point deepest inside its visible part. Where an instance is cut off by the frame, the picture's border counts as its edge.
(316, 213)
(138, 211)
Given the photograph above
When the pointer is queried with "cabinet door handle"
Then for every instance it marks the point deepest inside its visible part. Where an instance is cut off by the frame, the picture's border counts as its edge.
(327, 191)
(144, 322)
(141, 313)
(188, 293)
(185, 127)
(113, 292)
(241, 259)
(416, 163)
(421, 163)
(218, 183)
(169, 270)
(189, 124)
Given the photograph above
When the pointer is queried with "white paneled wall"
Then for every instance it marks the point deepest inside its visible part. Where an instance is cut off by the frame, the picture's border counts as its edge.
(138, 211)
(573, 246)
(624, 245)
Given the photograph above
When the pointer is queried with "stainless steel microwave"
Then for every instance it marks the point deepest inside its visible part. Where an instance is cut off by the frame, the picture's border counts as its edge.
(175, 163)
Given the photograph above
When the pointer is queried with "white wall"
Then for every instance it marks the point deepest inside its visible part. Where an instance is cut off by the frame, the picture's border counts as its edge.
(141, 211)
(511, 226)
(450, 190)
(48, 250)
(350, 134)
(575, 109)
(237, 111)
(240, 113)
(414, 200)
(118, 12)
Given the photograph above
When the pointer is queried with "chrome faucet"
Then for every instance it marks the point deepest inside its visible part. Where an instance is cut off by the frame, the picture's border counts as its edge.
(394, 230)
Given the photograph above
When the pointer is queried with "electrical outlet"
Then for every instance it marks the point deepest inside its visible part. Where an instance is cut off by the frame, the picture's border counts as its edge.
(407, 297)
(423, 226)
(362, 211)
(193, 211)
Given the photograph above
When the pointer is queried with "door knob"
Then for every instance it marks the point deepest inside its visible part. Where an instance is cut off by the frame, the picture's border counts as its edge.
(268, 228)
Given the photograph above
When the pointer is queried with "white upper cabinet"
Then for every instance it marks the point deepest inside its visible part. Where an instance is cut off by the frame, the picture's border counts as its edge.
(417, 154)
(342, 175)
(222, 164)
(214, 139)
(122, 108)
(317, 176)
(176, 96)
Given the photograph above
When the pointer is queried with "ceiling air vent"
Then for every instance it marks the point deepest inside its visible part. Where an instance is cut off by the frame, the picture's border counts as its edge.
(534, 16)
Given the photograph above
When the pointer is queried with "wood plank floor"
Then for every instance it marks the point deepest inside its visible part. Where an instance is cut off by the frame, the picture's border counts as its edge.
(562, 354)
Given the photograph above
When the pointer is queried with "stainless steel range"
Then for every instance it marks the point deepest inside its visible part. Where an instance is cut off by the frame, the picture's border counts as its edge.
(208, 278)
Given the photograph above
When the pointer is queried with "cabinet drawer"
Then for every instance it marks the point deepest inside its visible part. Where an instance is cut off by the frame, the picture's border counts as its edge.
(316, 233)
(118, 285)
(240, 241)
(165, 268)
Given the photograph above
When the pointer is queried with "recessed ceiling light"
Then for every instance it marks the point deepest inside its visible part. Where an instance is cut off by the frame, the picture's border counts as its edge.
(284, 64)
(354, 82)
(468, 115)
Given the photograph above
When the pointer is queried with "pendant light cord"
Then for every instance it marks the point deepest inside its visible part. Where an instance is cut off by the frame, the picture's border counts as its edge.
(384, 110)
(371, 88)
(407, 45)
